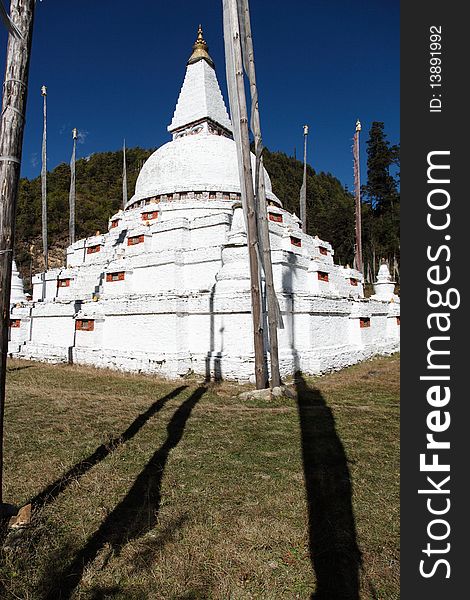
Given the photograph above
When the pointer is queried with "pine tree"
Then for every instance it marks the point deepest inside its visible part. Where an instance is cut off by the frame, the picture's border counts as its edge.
(383, 196)
(382, 187)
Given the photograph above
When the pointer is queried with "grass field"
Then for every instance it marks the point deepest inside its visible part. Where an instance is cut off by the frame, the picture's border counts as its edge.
(143, 488)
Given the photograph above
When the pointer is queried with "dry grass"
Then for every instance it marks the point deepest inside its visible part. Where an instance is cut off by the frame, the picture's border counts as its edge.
(165, 490)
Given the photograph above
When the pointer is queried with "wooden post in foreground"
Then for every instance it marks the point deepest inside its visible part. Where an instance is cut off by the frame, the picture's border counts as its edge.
(303, 189)
(357, 186)
(239, 114)
(12, 120)
(124, 176)
(44, 179)
(72, 189)
(274, 316)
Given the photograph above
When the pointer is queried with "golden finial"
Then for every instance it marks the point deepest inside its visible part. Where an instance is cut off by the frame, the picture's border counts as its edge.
(200, 50)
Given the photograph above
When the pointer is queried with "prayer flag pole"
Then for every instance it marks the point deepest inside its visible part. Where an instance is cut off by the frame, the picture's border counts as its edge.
(72, 189)
(303, 189)
(239, 114)
(12, 119)
(44, 179)
(124, 177)
(357, 185)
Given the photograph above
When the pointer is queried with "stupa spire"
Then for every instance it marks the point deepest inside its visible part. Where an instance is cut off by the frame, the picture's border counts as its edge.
(200, 103)
(200, 50)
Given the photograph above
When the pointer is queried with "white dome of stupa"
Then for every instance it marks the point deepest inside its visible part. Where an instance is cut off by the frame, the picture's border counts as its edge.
(194, 163)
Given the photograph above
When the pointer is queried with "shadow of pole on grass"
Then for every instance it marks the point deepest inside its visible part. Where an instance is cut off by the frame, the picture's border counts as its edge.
(19, 368)
(334, 551)
(50, 493)
(134, 516)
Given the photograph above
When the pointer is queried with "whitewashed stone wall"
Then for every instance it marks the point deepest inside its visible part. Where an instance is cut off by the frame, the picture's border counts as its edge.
(184, 303)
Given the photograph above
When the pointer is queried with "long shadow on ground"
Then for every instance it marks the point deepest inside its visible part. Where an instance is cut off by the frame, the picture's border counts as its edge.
(134, 516)
(51, 492)
(20, 368)
(334, 551)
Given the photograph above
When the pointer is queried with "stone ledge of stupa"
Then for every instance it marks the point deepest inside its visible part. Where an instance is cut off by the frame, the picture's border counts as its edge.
(21, 310)
(393, 307)
(91, 310)
(48, 353)
(319, 243)
(68, 272)
(93, 240)
(318, 265)
(49, 275)
(351, 272)
(58, 308)
(212, 219)
(77, 245)
(198, 302)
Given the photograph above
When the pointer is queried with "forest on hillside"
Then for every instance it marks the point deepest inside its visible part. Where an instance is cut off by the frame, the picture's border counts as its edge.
(330, 206)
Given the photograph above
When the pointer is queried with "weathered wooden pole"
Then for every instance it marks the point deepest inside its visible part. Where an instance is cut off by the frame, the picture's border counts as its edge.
(72, 189)
(303, 189)
(44, 179)
(11, 27)
(274, 316)
(237, 99)
(15, 87)
(357, 186)
(124, 176)
(31, 255)
(396, 270)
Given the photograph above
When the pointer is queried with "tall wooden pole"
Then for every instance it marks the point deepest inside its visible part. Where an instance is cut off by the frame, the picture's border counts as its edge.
(274, 316)
(44, 179)
(236, 87)
(72, 189)
(357, 186)
(124, 176)
(303, 189)
(12, 120)
(10, 26)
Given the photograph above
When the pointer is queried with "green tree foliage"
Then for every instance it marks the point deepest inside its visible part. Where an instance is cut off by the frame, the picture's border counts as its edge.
(330, 207)
(98, 196)
(382, 196)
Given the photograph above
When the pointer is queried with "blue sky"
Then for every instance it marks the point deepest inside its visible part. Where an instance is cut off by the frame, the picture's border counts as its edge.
(114, 69)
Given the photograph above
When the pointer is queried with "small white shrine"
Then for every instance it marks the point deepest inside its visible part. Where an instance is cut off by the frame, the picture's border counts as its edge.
(17, 294)
(167, 289)
(384, 287)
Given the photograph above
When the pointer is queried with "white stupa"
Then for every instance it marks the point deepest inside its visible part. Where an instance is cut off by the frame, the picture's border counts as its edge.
(384, 287)
(17, 294)
(167, 290)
